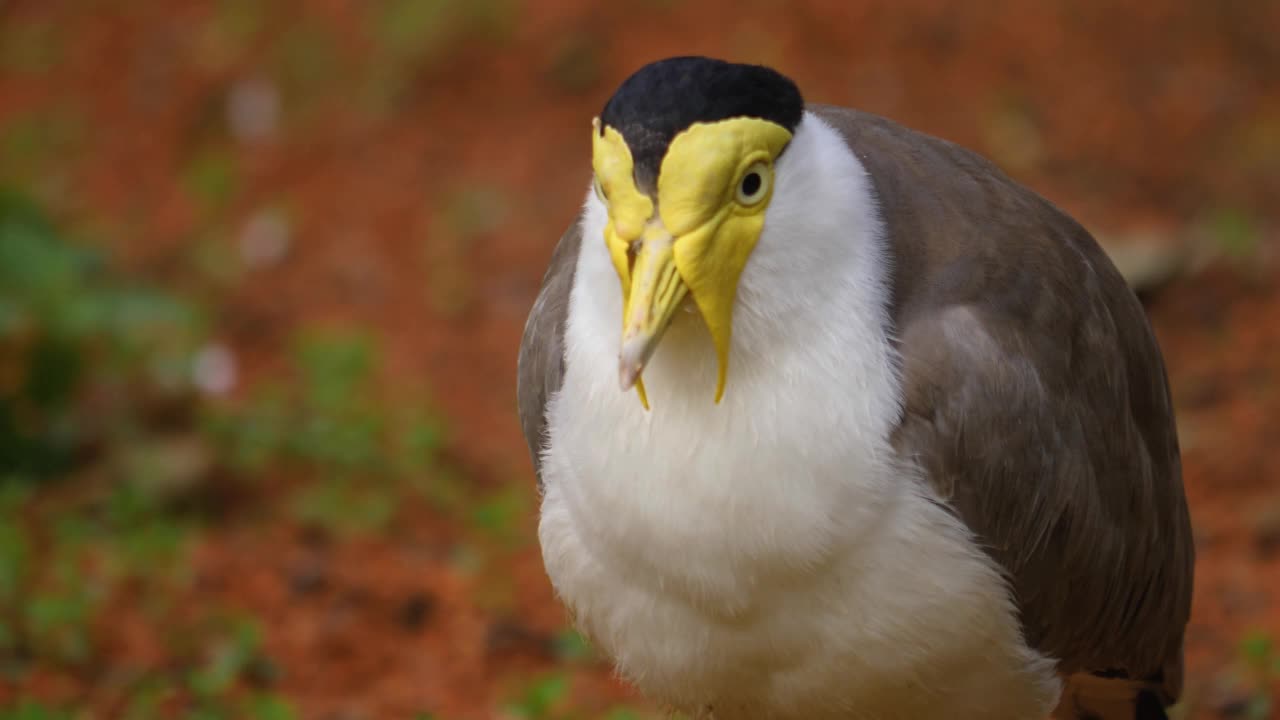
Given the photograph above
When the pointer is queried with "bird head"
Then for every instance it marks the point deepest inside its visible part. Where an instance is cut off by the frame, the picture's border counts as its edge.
(684, 156)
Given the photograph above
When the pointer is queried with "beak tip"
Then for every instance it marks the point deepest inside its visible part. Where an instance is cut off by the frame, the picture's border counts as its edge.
(631, 362)
(627, 374)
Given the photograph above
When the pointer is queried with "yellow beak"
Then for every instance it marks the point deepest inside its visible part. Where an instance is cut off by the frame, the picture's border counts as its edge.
(656, 292)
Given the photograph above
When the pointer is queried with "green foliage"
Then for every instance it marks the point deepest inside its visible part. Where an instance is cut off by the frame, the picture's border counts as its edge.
(234, 658)
(540, 698)
(33, 144)
(1260, 653)
(85, 357)
(358, 449)
(143, 536)
(571, 646)
(266, 706)
(231, 31)
(254, 434)
(56, 572)
(497, 514)
(95, 392)
(1260, 658)
(475, 210)
(15, 551)
(230, 657)
(34, 710)
(415, 29)
(46, 607)
(307, 63)
(1235, 232)
(410, 36)
(72, 334)
(57, 624)
(340, 424)
(405, 27)
(330, 421)
(466, 214)
(239, 20)
(343, 505)
(211, 178)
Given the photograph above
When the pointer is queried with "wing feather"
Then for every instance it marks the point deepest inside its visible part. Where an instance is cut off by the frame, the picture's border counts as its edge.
(541, 362)
(1036, 402)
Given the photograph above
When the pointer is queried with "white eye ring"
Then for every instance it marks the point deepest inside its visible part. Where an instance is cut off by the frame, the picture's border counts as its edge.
(595, 185)
(754, 184)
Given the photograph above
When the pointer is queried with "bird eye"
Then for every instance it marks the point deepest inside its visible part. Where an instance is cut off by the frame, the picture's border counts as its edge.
(754, 184)
(595, 183)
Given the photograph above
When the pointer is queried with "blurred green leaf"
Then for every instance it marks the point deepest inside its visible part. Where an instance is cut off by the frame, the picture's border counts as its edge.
(419, 442)
(57, 624)
(361, 449)
(345, 505)
(53, 369)
(334, 367)
(209, 712)
(570, 645)
(211, 178)
(1258, 708)
(476, 210)
(145, 702)
(229, 658)
(239, 20)
(541, 696)
(339, 426)
(271, 707)
(254, 435)
(307, 61)
(15, 554)
(33, 144)
(79, 330)
(1258, 649)
(407, 27)
(499, 513)
(34, 710)
(1236, 233)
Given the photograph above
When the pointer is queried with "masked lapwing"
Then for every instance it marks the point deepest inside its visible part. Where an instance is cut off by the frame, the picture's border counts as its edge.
(833, 419)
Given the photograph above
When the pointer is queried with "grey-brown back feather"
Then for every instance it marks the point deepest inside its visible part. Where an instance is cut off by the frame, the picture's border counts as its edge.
(540, 368)
(1036, 402)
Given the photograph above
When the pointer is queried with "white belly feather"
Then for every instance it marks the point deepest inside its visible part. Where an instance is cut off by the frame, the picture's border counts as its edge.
(750, 590)
(768, 556)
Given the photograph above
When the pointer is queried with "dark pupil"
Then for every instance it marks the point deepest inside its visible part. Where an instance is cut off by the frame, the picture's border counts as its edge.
(751, 184)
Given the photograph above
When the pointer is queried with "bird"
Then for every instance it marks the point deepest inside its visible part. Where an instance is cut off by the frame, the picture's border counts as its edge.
(831, 418)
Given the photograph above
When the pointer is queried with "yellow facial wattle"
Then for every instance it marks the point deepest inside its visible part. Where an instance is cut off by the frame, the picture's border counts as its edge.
(629, 209)
(714, 184)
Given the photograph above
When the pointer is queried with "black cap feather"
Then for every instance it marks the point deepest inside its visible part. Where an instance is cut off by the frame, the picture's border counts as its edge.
(663, 98)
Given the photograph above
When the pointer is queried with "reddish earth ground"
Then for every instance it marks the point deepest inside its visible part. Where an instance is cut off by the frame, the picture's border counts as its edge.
(1146, 118)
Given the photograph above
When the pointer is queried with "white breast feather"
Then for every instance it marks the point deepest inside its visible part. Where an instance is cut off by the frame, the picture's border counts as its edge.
(770, 556)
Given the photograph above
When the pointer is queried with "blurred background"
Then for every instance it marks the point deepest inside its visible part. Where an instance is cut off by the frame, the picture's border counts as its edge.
(264, 268)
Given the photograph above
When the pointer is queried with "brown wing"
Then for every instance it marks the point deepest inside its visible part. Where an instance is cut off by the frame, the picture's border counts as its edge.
(541, 364)
(1037, 403)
